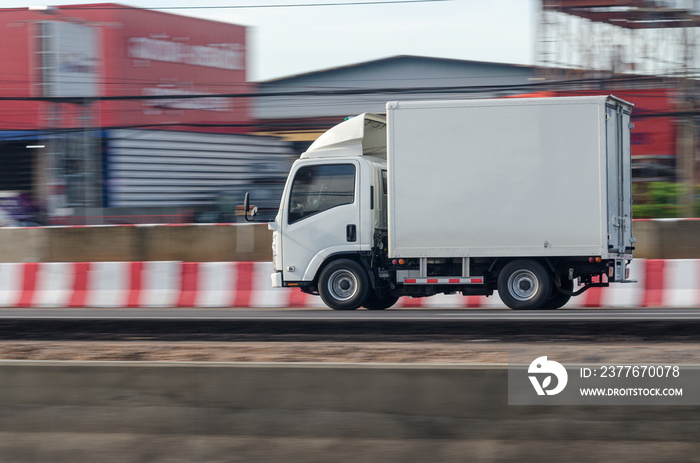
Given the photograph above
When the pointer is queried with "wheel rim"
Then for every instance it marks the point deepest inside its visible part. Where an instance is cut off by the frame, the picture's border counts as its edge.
(523, 285)
(342, 285)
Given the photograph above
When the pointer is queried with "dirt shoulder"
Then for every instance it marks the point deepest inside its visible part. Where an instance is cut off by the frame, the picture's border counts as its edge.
(344, 352)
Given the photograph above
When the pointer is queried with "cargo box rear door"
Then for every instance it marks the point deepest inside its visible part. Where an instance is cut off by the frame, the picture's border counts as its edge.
(619, 179)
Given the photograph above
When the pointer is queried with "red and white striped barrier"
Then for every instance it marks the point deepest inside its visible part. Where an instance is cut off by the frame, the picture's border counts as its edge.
(661, 283)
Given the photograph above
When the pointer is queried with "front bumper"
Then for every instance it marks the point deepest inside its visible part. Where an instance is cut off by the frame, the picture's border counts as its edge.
(276, 279)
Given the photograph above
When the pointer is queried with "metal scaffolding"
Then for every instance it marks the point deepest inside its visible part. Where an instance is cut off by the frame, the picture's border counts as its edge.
(599, 39)
(621, 36)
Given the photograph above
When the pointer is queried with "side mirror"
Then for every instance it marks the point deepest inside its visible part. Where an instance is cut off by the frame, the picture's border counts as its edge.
(246, 208)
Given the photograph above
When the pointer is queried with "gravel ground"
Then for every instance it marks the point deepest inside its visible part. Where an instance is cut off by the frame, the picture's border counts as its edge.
(346, 352)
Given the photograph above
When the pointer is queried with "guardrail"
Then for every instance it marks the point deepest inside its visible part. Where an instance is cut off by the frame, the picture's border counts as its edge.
(661, 283)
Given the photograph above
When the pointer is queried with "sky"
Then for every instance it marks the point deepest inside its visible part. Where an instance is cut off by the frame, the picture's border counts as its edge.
(284, 41)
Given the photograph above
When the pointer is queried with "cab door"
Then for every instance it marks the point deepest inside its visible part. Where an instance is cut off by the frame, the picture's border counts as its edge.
(320, 217)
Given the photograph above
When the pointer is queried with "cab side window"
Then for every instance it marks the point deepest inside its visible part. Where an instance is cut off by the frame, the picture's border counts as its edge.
(319, 188)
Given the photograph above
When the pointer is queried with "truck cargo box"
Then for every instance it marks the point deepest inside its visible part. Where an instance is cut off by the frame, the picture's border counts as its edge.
(509, 177)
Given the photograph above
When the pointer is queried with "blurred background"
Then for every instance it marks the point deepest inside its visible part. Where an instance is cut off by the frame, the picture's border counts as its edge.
(167, 111)
(114, 114)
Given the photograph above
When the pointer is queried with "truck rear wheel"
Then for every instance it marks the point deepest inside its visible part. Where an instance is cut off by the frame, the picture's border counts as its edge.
(524, 284)
(558, 299)
(343, 285)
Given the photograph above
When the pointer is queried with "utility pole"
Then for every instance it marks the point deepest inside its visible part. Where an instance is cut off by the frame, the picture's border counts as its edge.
(686, 157)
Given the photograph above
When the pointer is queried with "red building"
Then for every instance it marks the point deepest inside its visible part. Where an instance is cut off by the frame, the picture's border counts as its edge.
(109, 51)
(72, 76)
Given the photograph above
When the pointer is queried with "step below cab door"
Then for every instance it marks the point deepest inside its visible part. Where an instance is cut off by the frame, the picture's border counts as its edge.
(320, 216)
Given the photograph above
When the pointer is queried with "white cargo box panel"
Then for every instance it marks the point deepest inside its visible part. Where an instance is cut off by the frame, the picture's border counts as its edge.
(508, 177)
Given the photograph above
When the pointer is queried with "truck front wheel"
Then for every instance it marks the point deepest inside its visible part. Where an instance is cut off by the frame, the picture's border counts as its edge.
(524, 284)
(373, 302)
(343, 285)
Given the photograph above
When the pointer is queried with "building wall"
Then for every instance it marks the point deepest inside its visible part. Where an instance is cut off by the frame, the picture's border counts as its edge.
(157, 168)
(155, 53)
(302, 107)
(18, 70)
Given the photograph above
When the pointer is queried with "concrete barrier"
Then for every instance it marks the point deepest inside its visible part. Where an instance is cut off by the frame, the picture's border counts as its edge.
(92, 244)
(206, 243)
(656, 239)
(24, 245)
(680, 239)
(188, 243)
(119, 412)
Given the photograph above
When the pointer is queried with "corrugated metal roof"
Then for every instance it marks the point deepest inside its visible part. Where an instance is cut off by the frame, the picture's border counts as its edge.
(396, 59)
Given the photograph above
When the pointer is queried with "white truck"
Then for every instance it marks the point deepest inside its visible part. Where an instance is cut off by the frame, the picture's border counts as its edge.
(524, 196)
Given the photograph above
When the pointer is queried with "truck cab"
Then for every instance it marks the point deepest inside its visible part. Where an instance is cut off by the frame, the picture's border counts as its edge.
(333, 205)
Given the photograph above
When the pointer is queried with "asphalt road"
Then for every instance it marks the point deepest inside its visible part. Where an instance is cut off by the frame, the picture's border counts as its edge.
(436, 314)
(308, 325)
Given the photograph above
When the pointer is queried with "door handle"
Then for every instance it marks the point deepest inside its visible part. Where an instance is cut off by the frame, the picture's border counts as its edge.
(351, 233)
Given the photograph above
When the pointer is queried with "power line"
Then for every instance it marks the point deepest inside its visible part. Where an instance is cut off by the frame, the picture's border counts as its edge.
(314, 124)
(315, 97)
(278, 5)
(465, 89)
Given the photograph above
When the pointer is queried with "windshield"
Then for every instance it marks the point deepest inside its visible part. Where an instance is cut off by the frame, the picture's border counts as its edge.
(319, 188)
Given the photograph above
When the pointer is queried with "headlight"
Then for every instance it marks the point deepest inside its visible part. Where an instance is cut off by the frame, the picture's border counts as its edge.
(274, 251)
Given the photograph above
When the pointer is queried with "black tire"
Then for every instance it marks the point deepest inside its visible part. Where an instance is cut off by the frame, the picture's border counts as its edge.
(524, 284)
(557, 299)
(375, 303)
(343, 285)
